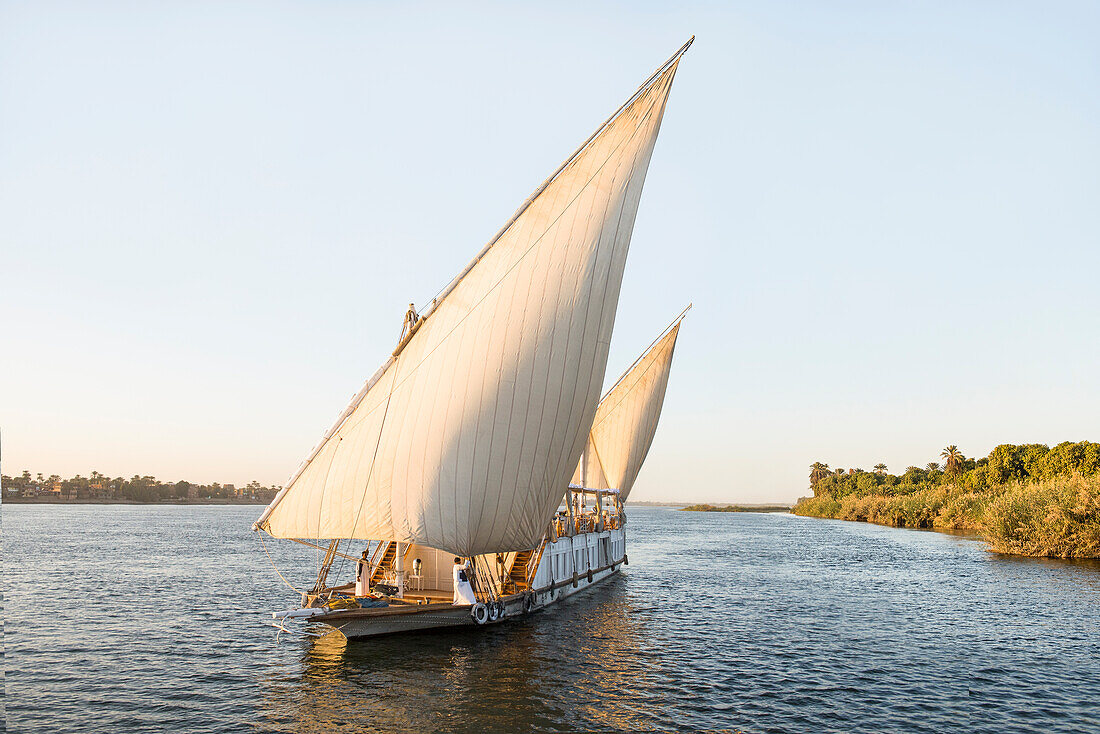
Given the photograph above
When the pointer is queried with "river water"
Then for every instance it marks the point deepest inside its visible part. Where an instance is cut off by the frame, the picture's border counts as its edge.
(139, 618)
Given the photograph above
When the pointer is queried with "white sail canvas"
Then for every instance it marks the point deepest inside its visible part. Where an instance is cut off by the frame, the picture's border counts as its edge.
(626, 421)
(466, 438)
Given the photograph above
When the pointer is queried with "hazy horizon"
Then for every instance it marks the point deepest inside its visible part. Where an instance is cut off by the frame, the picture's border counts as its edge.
(216, 214)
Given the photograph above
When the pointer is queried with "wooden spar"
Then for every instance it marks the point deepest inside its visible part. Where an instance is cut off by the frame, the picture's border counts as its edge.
(550, 179)
(652, 344)
(326, 564)
(323, 548)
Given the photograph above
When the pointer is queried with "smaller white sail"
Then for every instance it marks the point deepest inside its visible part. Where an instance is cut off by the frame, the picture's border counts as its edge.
(626, 419)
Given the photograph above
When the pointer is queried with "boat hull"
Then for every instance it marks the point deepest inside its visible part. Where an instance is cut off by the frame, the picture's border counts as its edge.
(567, 566)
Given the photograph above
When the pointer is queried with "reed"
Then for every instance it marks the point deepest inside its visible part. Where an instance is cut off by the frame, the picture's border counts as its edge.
(1057, 517)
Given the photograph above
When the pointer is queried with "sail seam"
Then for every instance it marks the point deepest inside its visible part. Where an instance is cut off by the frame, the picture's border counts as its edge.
(588, 306)
(640, 124)
(645, 121)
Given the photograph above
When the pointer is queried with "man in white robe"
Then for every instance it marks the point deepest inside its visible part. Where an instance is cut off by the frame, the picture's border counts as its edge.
(464, 590)
(362, 576)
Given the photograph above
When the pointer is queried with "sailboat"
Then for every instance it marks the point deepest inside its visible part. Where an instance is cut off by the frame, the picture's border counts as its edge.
(454, 461)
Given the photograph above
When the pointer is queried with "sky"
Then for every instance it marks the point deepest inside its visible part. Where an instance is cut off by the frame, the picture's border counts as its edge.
(213, 215)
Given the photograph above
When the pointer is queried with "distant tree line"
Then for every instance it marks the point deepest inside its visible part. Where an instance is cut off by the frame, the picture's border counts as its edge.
(1005, 464)
(98, 486)
(705, 507)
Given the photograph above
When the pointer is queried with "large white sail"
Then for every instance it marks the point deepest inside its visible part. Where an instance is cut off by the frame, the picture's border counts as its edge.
(626, 420)
(466, 437)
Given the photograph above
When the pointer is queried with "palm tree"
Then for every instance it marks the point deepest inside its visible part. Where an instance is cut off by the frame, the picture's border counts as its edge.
(880, 468)
(818, 471)
(952, 459)
(933, 466)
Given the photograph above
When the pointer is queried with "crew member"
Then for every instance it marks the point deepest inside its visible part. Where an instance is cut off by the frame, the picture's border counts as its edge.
(464, 590)
(362, 576)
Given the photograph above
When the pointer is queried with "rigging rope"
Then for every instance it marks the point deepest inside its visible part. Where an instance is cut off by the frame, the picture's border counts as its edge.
(264, 544)
(373, 458)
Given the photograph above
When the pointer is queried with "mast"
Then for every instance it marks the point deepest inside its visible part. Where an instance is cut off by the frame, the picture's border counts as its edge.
(464, 436)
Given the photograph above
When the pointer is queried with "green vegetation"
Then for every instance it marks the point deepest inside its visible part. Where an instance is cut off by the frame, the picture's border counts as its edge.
(99, 488)
(736, 508)
(1025, 499)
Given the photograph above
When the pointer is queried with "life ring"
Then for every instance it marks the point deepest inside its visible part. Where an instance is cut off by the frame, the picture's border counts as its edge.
(494, 611)
(480, 613)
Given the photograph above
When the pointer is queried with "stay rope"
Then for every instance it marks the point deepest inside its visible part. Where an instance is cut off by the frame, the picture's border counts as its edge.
(277, 571)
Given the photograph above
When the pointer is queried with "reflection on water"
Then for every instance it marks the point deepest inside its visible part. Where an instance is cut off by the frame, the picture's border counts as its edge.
(576, 666)
(134, 619)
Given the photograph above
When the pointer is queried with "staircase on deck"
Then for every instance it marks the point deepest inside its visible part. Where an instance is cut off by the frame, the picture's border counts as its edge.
(385, 565)
(517, 575)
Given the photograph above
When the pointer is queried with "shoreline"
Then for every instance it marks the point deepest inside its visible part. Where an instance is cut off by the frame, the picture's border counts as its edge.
(1055, 518)
(707, 507)
(88, 501)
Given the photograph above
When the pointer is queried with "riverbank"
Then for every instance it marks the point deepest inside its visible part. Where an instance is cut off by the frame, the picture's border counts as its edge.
(124, 501)
(736, 508)
(1057, 517)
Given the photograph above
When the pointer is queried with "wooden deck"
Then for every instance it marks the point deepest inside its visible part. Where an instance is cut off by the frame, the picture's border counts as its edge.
(412, 596)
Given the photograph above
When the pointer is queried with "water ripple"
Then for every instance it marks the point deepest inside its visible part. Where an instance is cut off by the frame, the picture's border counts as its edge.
(140, 618)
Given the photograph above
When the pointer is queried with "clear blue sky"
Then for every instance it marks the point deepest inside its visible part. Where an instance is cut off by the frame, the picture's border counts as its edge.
(213, 215)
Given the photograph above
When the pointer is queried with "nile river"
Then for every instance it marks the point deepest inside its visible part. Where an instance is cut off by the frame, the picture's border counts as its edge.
(139, 618)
